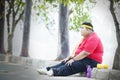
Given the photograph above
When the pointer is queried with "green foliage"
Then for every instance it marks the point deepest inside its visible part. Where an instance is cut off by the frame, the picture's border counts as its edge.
(80, 14)
(43, 8)
(92, 1)
(23, 4)
(50, 1)
(65, 2)
(116, 0)
(19, 3)
(79, 11)
(81, 1)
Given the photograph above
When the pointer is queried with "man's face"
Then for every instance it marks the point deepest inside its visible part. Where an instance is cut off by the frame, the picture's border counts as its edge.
(84, 31)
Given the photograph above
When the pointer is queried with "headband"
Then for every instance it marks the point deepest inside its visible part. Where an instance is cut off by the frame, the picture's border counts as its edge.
(87, 26)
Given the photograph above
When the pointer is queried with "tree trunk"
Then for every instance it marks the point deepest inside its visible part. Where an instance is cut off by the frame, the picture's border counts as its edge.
(10, 42)
(26, 32)
(63, 37)
(2, 12)
(116, 64)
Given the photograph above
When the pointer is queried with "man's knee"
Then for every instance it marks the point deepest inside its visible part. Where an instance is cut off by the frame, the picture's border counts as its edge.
(63, 71)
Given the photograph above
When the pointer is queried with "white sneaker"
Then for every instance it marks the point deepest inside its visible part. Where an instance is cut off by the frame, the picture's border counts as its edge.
(42, 71)
(50, 72)
(45, 72)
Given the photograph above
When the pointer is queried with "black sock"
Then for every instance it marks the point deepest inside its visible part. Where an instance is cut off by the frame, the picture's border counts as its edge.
(48, 68)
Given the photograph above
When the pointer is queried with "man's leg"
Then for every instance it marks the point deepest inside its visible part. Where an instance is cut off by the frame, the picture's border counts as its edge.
(76, 67)
(81, 66)
(56, 66)
(63, 69)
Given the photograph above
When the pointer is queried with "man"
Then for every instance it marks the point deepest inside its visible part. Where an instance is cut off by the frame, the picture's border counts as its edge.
(89, 52)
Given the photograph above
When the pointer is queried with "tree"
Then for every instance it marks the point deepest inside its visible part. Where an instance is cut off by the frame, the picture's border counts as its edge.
(63, 37)
(16, 10)
(2, 12)
(26, 32)
(116, 64)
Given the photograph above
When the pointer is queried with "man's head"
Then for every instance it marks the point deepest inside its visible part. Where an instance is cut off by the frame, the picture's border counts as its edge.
(86, 29)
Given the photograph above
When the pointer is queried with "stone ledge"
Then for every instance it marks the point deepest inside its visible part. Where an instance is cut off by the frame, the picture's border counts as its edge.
(105, 74)
(2, 57)
(114, 75)
(101, 74)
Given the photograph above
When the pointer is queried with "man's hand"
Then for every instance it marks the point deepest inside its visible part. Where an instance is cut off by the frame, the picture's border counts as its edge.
(66, 59)
(69, 63)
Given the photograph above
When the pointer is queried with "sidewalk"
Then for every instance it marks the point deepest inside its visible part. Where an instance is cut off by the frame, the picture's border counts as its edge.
(29, 67)
(10, 71)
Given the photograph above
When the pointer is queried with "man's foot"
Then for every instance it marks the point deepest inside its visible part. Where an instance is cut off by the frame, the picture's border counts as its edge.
(45, 72)
(50, 72)
(42, 71)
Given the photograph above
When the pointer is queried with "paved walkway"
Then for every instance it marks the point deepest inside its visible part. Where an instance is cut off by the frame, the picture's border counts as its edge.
(10, 71)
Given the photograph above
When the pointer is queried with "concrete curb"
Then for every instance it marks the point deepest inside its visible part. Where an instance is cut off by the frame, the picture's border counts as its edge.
(27, 61)
(105, 74)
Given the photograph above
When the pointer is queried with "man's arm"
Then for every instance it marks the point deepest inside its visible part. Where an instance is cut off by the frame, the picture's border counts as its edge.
(82, 55)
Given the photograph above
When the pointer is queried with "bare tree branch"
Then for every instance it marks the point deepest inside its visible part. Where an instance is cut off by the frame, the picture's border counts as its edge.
(13, 16)
(8, 15)
(18, 7)
(20, 16)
